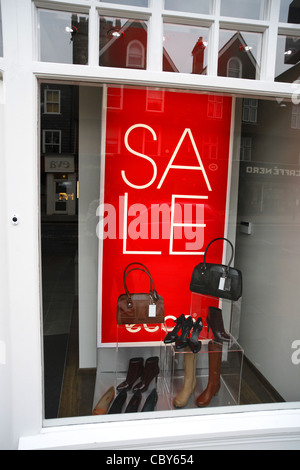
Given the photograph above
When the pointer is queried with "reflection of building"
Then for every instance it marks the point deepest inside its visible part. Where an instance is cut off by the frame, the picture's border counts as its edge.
(236, 59)
(59, 152)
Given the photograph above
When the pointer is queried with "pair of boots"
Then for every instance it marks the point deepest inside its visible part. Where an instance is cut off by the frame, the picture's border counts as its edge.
(137, 370)
(189, 384)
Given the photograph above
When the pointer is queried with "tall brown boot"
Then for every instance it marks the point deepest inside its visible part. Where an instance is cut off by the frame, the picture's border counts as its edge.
(214, 383)
(189, 383)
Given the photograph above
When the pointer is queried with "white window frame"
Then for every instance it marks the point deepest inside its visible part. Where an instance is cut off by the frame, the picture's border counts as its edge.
(47, 101)
(260, 426)
(44, 144)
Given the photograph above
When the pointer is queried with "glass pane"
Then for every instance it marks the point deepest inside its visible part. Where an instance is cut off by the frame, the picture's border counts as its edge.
(135, 3)
(123, 43)
(191, 6)
(239, 54)
(253, 9)
(290, 11)
(185, 49)
(180, 148)
(63, 37)
(1, 40)
(287, 59)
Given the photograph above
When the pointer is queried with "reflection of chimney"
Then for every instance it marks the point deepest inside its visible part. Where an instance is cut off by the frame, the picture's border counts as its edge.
(198, 56)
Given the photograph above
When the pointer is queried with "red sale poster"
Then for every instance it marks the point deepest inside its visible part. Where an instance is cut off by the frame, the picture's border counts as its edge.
(165, 189)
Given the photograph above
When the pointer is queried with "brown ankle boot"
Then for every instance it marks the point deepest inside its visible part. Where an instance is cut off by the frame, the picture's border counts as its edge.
(213, 386)
(189, 383)
(135, 370)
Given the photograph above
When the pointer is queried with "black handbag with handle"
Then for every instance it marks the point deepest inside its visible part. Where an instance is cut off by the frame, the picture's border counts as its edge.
(137, 308)
(217, 280)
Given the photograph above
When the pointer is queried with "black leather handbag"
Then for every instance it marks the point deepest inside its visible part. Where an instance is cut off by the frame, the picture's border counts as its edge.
(217, 280)
(137, 308)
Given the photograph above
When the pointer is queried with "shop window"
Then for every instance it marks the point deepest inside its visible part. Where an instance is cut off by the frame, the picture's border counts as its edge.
(239, 54)
(290, 11)
(63, 37)
(123, 42)
(52, 102)
(185, 49)
(243, 9)
(51, 141)
(135, 3)
(163, 141)
(1, 39)
(287, 59)
(192, 6)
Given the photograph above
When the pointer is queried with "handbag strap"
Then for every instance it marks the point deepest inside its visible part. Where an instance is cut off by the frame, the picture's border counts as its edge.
(152, 291)
(232, 252)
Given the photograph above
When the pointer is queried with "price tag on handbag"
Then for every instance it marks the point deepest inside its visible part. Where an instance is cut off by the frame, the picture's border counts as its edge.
(152, 310)
(225, 283)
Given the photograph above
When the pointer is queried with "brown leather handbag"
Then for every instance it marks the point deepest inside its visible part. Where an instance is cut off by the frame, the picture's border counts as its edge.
(140, 308)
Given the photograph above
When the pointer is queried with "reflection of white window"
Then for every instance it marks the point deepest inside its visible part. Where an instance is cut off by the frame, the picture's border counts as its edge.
(246, 149)
(51, 141)
(155, 100)
(115, 98)
(52, 102)
(215, 107)
(234, 68)
(250, 108)
(135, 55)
(295, 117)
(210, 146)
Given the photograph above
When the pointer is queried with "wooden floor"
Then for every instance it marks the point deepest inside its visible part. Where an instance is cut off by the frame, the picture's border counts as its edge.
(78, 385)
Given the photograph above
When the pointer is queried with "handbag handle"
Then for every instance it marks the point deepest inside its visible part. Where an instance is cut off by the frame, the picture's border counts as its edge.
(146, 271)
(232, 252)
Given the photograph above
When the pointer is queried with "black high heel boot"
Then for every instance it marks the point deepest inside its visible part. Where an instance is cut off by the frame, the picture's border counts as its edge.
(118, 403)
(185, 331)
(134, 403)
(194, 344)
(151, 401)
(172, 336)
(215, 322)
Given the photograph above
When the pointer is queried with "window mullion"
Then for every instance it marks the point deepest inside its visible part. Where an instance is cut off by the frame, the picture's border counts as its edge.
(155, 36)
(268, 62)
(213, 50)
(93, 36)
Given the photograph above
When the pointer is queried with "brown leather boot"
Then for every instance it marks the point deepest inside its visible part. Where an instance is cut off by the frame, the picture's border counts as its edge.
(189, 383)
(214, 384)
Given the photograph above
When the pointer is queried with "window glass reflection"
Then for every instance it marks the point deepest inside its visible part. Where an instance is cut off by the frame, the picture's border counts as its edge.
(287, 59)
(123, 43)
(185, 49)
(135, 3)
(290, 11)
(63, 37)
(1, 41)
(239, 54)
(193, 6)
(253, 9)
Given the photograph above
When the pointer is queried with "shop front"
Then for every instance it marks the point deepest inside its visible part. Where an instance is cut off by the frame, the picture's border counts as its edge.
(151, 247)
